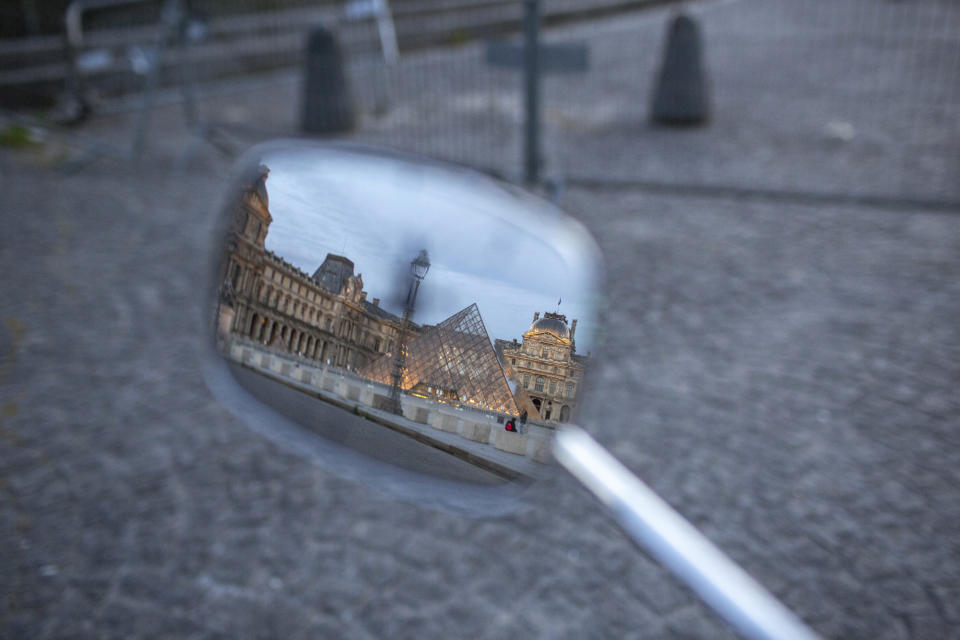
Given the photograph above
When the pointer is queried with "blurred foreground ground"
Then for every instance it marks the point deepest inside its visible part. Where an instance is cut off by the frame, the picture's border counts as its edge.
(782, 366)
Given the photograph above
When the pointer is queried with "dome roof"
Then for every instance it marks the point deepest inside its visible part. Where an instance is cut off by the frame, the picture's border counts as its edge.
(553, 323)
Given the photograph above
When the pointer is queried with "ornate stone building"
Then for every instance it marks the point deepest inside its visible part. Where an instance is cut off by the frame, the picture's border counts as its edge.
(546, 368)
(324, 317)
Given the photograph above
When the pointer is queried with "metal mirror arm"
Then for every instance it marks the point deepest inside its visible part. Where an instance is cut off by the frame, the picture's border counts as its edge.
(675, 543)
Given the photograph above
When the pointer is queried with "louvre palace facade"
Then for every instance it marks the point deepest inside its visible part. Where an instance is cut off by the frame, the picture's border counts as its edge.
(324, 317)
(545, 367)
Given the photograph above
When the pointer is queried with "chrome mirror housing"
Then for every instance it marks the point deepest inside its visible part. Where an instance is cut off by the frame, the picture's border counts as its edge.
(419, 317)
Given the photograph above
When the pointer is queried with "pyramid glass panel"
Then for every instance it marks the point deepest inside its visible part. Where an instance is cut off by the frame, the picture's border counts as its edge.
(452, 362)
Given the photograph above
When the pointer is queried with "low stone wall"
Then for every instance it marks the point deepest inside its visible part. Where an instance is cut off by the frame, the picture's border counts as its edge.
(471, 424)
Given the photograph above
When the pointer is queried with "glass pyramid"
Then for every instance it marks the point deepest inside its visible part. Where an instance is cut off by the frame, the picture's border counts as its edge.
(452, 362)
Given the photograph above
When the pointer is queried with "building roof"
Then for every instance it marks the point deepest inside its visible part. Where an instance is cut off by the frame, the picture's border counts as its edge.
(260, 185)
(554, 323)
(380, 312)
(333, 273)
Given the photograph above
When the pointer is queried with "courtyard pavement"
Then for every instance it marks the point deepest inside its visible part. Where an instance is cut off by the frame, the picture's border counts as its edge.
(781, 364)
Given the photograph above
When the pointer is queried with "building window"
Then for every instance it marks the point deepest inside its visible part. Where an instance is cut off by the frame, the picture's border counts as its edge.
(553, 387)
(569, 389)
(526, 381)
(513, 361)
(539, 385)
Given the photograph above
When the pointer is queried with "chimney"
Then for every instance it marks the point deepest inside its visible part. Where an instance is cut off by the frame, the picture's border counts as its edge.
(376, 302)
(573, 328)
(536, 316)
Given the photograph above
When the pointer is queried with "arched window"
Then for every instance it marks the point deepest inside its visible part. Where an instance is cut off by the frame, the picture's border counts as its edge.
(539, 385)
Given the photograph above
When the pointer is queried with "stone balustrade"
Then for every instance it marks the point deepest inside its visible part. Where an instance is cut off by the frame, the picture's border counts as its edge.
(467, 422)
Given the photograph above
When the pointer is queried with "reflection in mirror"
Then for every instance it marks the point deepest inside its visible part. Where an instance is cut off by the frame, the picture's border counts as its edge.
(422, 315)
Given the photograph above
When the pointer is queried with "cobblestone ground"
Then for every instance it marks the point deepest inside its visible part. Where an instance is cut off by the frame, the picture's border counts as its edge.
(784, 373)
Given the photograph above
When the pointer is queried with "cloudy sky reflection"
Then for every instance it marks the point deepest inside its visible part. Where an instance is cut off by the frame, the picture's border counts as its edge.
(511, 255)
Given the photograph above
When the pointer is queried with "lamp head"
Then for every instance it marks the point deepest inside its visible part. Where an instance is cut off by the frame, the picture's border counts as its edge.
(420, 265)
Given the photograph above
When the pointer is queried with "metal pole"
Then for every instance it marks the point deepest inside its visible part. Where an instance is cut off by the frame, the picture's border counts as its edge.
(169, 24)
(531, 58)
(400, 363)
(418, 270)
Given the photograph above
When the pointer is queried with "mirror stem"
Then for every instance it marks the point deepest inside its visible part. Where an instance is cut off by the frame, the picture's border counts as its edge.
(675, 543)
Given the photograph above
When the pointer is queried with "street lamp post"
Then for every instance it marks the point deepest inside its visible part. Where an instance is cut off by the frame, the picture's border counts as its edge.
(418, 271)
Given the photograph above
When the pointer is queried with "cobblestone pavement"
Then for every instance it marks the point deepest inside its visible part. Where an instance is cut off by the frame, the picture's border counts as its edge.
(783, 372)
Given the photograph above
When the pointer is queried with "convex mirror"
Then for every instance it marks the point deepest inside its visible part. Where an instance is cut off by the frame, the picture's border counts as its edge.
(415, 325)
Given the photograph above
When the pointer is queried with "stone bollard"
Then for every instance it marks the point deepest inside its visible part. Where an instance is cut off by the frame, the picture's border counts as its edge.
(327, 103)
(511, 442)
(681, 96)
(476, 431)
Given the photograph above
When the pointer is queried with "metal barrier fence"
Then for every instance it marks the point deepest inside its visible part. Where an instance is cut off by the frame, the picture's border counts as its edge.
(851, 98)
